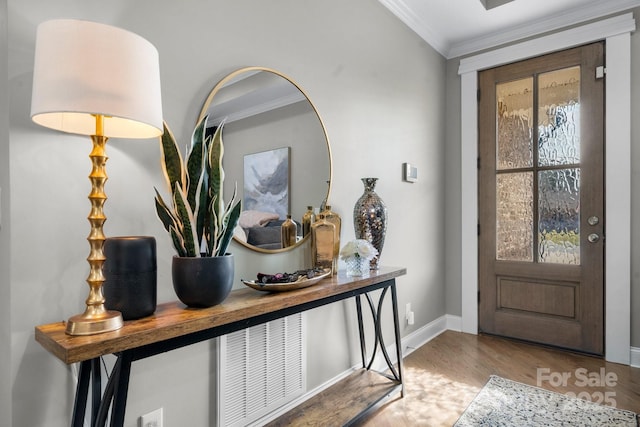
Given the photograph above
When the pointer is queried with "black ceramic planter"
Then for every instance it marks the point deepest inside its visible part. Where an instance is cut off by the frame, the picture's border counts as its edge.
(130, 275)
(202, 282)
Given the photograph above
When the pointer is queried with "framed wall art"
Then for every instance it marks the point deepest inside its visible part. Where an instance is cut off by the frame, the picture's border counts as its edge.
(266, 181)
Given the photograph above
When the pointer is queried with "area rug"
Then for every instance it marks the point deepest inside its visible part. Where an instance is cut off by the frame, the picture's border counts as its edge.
(503, 402)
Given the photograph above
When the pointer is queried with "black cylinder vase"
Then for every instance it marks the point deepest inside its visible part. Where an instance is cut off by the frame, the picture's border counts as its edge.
(130, 272)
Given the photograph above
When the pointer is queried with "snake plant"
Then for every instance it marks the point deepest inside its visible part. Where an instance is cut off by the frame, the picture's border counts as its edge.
(198, 221)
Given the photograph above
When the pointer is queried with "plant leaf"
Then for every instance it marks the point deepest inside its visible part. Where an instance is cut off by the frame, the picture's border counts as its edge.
(201, 206)
(178, 242)
(232, 222)
(164, 212)
(171, 160)
(227, 211)
(187, 221)
(195, 161)
(213, 230)
(216, 174)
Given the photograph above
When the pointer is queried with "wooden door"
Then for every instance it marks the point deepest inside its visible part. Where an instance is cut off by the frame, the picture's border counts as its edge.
(541, 201)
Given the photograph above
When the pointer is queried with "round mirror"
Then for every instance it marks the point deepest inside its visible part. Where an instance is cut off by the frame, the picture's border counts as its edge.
(276, 150)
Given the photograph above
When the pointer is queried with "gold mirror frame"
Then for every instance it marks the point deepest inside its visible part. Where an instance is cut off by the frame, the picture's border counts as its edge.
(235, 75)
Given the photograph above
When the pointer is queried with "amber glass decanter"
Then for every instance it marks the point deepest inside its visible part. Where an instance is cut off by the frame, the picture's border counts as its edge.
(334, 219)
(322, 243)
(289, 231)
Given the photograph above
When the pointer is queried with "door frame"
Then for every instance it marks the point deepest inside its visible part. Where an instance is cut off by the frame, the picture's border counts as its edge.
(616, 32)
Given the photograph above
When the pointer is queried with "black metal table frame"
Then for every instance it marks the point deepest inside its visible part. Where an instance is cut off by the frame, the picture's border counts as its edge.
(115, 393)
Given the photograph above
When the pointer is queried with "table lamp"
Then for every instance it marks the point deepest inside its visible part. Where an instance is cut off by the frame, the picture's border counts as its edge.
(97, 80)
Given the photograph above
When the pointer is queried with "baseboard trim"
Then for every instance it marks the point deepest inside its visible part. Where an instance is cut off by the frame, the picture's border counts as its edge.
(635, 357)
(428, 332)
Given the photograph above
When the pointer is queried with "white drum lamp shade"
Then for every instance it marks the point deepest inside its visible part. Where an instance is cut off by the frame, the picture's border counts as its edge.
(83, 69)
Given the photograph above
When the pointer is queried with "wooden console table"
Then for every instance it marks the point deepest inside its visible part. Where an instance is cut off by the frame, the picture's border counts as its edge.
(174, 326)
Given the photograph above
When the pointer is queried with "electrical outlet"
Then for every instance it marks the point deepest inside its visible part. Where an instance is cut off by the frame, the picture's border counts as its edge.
(408, 314)
(152, 419)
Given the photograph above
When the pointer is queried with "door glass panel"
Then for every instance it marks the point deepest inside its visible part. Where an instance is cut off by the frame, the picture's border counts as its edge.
(514, 124)
(559, 144)
(559, 216)
(514, 216)
(538, 187)
(559, 117)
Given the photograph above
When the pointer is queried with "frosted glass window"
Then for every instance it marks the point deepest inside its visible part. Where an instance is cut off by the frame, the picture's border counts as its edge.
(514, 124)
(514, 216)
(559, 117)
(559, 216)
(538, 184)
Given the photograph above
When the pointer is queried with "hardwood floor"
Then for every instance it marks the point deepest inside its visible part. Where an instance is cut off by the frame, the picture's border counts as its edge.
(443, 376)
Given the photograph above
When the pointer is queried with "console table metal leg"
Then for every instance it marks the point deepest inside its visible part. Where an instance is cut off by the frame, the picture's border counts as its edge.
(96, 389)
(363, 346)
(82, 392)
(380, 336)
(376, 312)
(396, 324)
(121, 390)
(105, 404)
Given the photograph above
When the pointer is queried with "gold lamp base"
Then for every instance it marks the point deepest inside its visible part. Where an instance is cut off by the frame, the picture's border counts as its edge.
(96, 318)
(87, 324)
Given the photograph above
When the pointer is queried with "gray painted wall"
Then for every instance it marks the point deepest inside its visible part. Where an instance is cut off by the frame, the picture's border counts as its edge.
(635, 185)
(381, 92)
(5, 288)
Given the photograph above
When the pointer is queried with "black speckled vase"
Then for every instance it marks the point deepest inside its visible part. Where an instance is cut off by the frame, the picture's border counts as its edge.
(370, 218)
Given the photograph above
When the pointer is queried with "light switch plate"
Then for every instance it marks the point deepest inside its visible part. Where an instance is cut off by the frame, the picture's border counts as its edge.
(409, 172)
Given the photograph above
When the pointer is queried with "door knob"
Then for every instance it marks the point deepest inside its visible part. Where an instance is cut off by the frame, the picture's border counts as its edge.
(593, 237)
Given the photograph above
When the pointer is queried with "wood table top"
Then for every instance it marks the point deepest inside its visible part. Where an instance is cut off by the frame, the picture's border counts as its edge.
(174, 319)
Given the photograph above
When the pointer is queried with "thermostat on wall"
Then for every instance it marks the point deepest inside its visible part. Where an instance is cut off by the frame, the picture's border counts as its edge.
(409, 173)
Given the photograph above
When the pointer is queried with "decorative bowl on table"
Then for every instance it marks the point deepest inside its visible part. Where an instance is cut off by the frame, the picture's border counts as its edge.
(280, 282)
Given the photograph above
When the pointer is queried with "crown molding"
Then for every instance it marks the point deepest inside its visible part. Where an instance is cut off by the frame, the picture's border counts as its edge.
(544, 25)
(588, 33)
(403, 12)
(589, 12)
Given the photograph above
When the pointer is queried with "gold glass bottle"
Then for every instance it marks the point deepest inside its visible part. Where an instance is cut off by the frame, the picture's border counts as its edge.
(322, 243)
(334, 219)
(308, 218)
(289, 231)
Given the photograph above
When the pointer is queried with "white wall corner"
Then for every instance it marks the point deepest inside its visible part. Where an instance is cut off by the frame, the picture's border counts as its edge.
(635, 357)
(454, 323)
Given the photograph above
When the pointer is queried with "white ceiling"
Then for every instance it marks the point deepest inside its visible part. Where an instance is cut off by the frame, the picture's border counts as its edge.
(459, 27)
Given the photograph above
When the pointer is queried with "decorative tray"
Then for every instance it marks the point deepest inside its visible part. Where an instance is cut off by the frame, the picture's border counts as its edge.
(301, 282)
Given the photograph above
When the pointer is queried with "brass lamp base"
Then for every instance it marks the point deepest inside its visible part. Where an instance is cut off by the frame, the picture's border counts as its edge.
(86, 324)
(96, 319)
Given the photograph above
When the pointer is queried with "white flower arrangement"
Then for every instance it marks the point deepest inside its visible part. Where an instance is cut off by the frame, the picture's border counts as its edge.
(358, 248)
